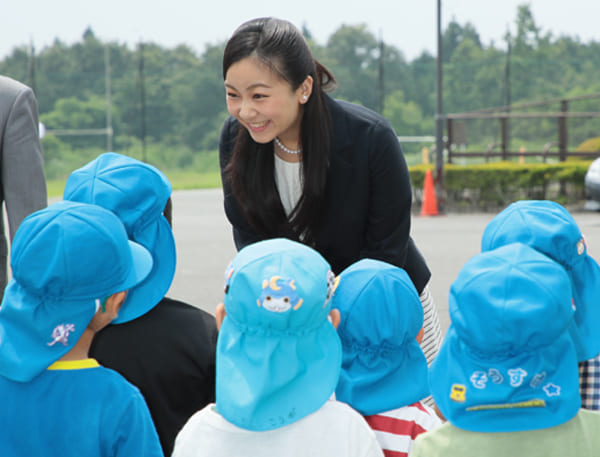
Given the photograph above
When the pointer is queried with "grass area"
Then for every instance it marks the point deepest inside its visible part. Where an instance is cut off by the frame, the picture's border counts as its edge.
(55, 187)
(180, 180)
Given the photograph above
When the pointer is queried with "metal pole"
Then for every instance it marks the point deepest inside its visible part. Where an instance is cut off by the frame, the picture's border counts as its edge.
(109, 130)
(504, 137)
(439, 118)
(142, 101)
(562, 131)
(31, 69)
(507, 101)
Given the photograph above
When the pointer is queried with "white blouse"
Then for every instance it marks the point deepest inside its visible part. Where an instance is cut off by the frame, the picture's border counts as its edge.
(288, 178)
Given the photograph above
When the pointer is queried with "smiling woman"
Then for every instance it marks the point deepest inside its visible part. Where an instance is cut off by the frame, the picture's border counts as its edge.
(298, 164)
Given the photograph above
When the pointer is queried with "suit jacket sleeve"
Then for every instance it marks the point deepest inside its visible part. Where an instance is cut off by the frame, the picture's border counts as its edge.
(390, 197)
(389, 216)
(23, 181)
(243, 233)
(371, 195)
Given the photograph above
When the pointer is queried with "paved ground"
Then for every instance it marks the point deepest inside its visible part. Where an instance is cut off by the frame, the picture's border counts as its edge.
(205, 246)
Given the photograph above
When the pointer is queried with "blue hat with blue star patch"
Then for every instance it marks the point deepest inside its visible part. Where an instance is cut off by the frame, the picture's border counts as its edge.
(278, 355)
(137, 193)
(383, 366)
(549, 228)
(507, 362)
(65, 260)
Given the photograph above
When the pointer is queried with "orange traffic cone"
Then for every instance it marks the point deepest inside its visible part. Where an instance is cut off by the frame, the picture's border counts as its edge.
(429, 205)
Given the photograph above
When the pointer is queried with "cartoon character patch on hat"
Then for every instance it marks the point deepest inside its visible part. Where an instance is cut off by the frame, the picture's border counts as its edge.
(458, 393)
(60, 334)
(279, 295)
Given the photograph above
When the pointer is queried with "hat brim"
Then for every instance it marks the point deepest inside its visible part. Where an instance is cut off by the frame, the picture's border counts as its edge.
(268, 380)
(550, 399)
(158, 239)
(374, 382)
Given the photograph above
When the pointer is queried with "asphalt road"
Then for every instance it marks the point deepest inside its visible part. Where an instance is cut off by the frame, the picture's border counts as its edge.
(205, 247)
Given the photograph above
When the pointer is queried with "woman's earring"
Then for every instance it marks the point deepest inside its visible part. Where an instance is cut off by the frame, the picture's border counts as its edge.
(304, 97)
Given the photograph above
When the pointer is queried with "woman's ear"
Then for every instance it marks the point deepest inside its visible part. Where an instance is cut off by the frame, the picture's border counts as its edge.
(220, 314)
(305, 90)
(335, 317)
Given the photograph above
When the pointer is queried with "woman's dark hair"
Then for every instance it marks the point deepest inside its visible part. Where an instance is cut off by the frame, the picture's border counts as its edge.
(281, 46)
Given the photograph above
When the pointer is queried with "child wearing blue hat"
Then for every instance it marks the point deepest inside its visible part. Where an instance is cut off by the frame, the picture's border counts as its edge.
(278, 362)
(549, 228)
(72, 265)
(163, 346)
(506, 376)
(384, 370)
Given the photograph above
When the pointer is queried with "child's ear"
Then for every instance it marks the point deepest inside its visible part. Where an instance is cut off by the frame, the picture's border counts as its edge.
(114, 303)
(420, 335)
(108, 312)
(220, 314)
(335, 317)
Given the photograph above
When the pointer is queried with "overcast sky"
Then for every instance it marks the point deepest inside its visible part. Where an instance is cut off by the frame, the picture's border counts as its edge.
(408, 25)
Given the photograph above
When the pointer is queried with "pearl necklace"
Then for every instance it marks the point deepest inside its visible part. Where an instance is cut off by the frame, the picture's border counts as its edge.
(283, 148)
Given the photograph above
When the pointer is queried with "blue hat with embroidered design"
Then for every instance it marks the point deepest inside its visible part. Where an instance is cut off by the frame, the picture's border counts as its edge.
(507, 362)
(137, 193)
(65, 260)
(383, 366)
(549, 228)
(278, 355)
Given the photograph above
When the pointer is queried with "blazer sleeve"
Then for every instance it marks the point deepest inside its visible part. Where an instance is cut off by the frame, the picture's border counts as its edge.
(390, 199)
(243, 233)
(22, 163)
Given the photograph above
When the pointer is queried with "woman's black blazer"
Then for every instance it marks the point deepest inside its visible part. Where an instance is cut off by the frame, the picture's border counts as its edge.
(370, 196)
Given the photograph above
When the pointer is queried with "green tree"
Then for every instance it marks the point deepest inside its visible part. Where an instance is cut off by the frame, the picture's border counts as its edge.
(75, 114)
(454, 35)
(352, 55)
(406, 117)
(420, 84)
(198, 100)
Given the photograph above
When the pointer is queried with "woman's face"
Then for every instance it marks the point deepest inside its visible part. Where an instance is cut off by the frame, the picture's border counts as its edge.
(265, 103)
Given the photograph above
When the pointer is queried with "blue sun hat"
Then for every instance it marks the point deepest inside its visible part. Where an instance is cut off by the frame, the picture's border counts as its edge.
(137, 193)
(65, 259)
(549, 228)
(507, 362)
(383, 366)
(278, 355)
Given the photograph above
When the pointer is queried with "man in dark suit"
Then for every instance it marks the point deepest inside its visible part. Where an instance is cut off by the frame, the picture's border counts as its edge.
(22, 180)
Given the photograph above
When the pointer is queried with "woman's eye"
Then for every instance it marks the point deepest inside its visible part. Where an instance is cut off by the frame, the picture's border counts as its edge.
(259, 96)
(231, 95)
